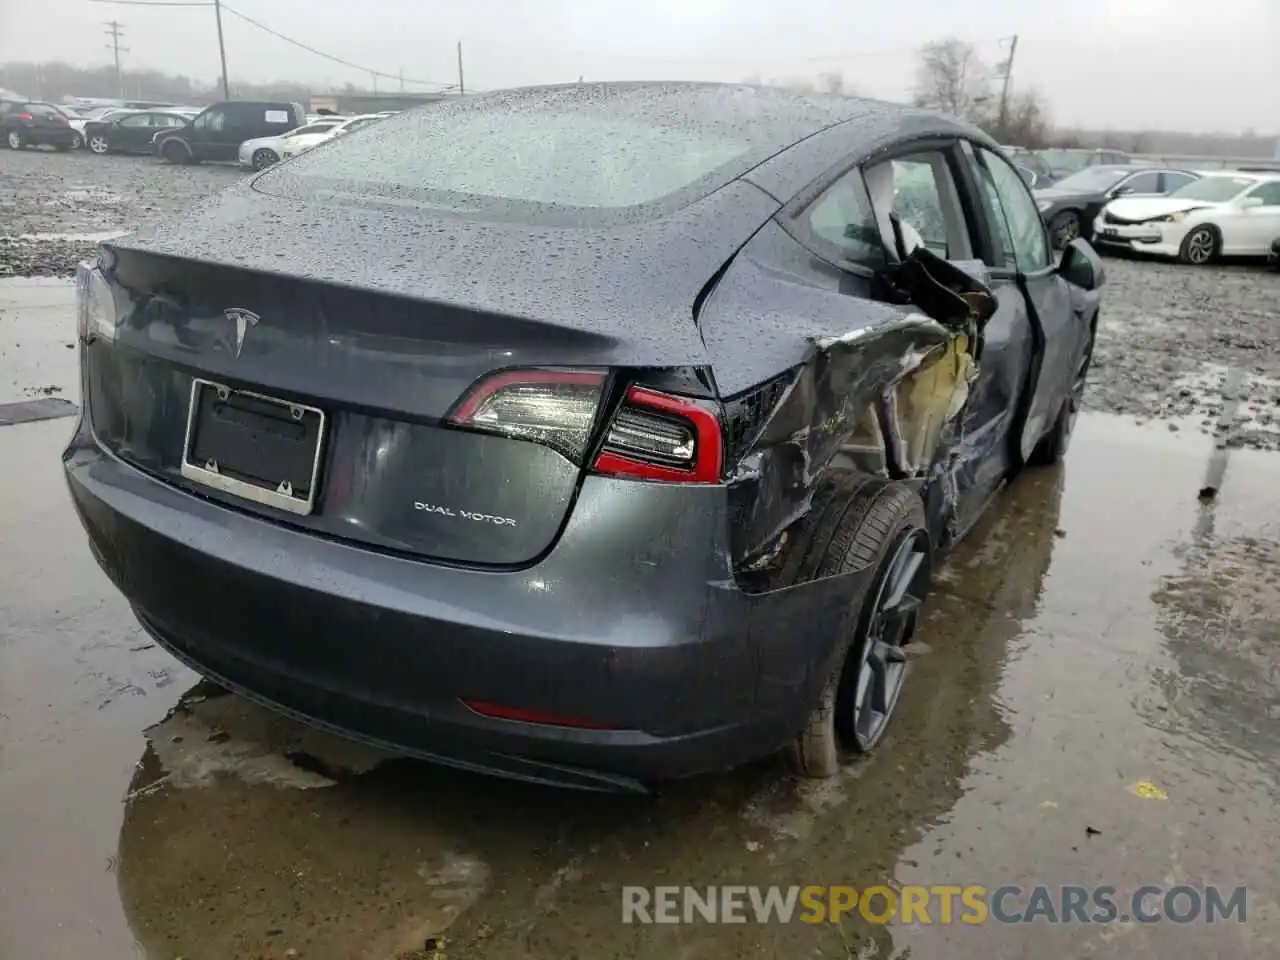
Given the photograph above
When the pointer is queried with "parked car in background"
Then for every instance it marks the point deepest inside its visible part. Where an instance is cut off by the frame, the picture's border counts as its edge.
(1070, 205)
(261, 152)
(129, 131)
(217, 131)
(1064, 162)
(94, 113)
(305, 141)
(33, 123)
(1220, 214)
(549, 509)
(1033, 161)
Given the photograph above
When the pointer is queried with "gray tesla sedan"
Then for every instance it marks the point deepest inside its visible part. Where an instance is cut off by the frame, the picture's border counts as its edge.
(596, 434)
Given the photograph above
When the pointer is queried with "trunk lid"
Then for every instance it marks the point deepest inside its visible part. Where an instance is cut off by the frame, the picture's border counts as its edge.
(383, 320)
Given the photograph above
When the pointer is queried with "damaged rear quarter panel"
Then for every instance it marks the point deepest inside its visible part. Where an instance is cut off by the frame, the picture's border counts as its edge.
(868, 390)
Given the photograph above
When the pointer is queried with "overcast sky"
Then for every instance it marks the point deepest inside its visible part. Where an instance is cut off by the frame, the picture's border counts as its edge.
(1174, 64)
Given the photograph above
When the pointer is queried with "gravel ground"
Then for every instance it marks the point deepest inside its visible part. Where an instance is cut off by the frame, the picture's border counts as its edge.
(1199, 347)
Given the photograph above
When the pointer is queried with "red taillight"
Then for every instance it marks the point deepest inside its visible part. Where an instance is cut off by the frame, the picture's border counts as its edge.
(553, 407)
(496, 711)
(652, 436)
(25, 116)
(660, 436)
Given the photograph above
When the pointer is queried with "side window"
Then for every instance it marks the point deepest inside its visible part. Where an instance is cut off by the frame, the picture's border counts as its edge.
(917, 202)
(1172, 181)
(1268, 192)
(918, 192)
(1141, 183)
(215, 118)
(841, 219)
(1023, 233)
(1004, 239)
(138, 120)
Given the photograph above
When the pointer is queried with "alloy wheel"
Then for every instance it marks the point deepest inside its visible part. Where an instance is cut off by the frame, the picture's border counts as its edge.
(15, 140)
(1200, 246)
(890, 623)
(264, 158)
(98, 144)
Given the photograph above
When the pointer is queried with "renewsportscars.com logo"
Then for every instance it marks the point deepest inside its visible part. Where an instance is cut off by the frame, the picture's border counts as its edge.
(940, 904)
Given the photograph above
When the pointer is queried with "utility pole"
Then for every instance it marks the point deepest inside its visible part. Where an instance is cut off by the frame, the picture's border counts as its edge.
(115, 31)
(462, 89)
(222, 50)
(1004, 88)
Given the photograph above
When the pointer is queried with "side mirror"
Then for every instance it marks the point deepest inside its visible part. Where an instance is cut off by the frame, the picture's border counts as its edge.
(1028, 176)
(1122, 191)
(1081, 266)
(1250, 202)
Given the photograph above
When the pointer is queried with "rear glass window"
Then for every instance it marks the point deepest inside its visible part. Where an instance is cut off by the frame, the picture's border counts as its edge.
(544, 157)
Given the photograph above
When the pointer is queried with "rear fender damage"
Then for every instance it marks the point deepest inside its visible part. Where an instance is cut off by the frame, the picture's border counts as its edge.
(885, 400)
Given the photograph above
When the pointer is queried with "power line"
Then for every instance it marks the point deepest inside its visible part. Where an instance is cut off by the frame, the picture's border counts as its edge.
(219, 7)
(328, 56)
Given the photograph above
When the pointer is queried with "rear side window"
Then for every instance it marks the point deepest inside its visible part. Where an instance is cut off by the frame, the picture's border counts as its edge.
(562, 159)
(841, 219)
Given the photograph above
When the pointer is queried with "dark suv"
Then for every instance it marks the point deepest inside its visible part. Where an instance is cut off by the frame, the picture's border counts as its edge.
(26, 123)
(217, 131)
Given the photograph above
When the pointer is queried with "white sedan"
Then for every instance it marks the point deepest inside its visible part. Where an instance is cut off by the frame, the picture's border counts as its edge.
(261, 152)
(1224, 213)
(305, 141)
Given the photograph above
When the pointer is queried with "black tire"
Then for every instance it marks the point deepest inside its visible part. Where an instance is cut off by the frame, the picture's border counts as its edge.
(1200, 246)
(872, 529)
(15, 140)
(175, 151)
(1053, 445)
(1064, 228)
(77, 142)
(264, 158)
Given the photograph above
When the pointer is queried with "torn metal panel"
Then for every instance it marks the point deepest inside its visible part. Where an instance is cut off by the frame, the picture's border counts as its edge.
(884, 399)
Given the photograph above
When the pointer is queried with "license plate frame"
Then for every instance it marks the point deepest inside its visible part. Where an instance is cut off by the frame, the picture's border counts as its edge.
(208, 474)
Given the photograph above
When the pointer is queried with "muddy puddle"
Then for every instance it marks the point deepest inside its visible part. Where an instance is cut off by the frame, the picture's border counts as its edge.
(1102, 630)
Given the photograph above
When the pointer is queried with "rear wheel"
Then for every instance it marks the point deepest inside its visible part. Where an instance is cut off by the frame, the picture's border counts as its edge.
(883, 529)
(15, 140)
(1064, 228)
(175, 152)
(77, 142)
(1199, 246)
(264, 158)
(98, 144)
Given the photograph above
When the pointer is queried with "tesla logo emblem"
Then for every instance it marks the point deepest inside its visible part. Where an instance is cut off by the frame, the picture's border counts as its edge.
(243, 319)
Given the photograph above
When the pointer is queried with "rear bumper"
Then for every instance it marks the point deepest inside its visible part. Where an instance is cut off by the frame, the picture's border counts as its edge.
(59, 138)
(620, 625)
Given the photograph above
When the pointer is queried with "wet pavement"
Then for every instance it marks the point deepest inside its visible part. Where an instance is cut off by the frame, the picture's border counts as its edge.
(1101, 629)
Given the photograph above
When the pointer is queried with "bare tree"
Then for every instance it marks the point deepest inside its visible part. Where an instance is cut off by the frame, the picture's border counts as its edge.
(1026, 122)
(951, 77)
